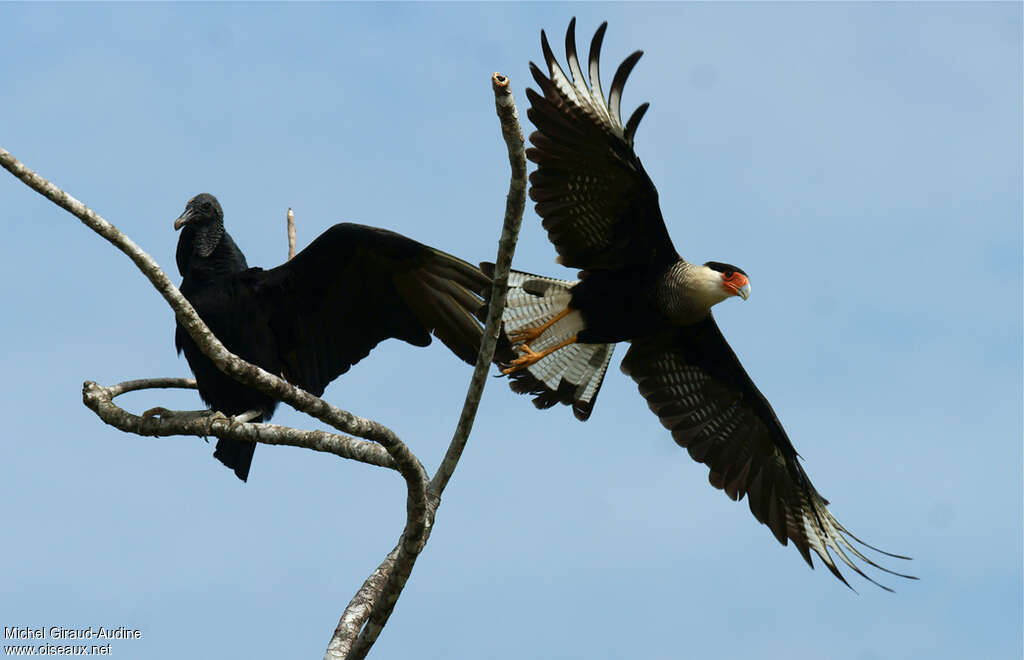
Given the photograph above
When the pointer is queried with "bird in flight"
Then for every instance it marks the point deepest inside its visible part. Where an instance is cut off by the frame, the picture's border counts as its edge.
(601, 212)
(313, 317)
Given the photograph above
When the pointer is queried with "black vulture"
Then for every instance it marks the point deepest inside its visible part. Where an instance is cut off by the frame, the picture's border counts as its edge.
(601, 212)
(313, 317)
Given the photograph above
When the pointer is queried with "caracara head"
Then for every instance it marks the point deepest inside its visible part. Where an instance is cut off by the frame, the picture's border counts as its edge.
(201, 209)
(722, 281)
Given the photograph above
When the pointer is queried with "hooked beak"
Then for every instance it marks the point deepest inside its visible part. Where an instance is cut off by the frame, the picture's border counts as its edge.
(739, 285)
(183, 219)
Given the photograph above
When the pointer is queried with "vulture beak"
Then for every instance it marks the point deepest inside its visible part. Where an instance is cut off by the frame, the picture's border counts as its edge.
(183, 219)
(738, 285)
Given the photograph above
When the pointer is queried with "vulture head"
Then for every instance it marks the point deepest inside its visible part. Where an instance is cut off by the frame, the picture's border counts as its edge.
(203, 224)
(201, 209)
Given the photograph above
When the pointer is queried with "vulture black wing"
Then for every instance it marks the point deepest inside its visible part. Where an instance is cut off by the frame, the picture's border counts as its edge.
(355, 286)
(697, 387)
(598, 204)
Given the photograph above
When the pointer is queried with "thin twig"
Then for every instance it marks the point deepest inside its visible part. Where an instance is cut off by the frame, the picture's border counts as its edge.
(411, 545)
(291, 234)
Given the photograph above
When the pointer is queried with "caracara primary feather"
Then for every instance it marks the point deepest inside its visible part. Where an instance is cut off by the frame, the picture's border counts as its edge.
(601, 212)
(313, 317)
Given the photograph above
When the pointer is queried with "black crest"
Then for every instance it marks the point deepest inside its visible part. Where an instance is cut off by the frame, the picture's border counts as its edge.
(724, 268)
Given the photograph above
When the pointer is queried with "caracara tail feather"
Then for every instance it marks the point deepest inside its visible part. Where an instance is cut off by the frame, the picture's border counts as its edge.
(572, 375)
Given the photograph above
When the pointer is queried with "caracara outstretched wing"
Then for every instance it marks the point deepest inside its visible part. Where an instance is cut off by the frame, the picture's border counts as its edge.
(697, 387)
(598, 204)
(355, 286)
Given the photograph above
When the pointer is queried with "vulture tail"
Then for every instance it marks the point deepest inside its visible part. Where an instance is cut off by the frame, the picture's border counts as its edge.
(572, 375)
(236, 455)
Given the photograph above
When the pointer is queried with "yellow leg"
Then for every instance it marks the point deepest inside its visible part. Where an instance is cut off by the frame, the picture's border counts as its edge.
(529, 356)
(526, 335)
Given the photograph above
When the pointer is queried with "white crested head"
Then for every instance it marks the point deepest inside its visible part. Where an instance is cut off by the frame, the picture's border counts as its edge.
(713, 282)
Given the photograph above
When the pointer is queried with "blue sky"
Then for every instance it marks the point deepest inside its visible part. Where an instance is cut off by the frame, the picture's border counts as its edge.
(862, 162)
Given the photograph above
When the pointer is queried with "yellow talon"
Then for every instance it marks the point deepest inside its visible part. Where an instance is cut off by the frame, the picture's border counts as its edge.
(529, 356)
(526, 335)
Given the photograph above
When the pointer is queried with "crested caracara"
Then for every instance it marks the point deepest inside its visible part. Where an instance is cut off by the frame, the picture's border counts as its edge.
(601, 212)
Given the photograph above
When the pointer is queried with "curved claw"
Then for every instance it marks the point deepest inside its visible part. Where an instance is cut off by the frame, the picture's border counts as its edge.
(215, 416)
(159, 411)
(528, 357)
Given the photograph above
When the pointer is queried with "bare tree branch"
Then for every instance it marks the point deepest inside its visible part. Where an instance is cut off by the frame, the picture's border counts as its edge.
(99, 399)
(515, 202)
(410, 545)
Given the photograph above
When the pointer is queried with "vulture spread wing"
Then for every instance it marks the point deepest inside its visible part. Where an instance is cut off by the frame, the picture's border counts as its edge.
(697, 387)
(599, 207)
(355, 286)
(313, 317)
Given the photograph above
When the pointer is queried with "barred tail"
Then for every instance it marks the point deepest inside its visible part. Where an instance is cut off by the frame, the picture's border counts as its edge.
(571, 375)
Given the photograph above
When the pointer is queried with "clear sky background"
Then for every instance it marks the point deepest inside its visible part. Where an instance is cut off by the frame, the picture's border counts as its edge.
(862, 162)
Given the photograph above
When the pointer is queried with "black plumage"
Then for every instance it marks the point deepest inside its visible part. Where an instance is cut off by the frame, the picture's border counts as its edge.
(601, 212)
(313, 317)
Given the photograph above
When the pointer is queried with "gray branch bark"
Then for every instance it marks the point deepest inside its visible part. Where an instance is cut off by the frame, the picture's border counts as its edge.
(100, 400)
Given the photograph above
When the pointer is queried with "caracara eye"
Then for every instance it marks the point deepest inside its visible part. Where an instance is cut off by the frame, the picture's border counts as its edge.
(728, 274)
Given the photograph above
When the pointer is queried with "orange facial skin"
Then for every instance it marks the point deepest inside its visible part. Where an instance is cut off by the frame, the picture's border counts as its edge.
(734, 282)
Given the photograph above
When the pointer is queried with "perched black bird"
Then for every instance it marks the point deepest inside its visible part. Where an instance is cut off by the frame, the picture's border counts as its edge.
(601, 212)
(313, 317)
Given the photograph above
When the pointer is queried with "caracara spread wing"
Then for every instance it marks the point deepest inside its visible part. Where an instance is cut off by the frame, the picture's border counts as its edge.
(601, 213)
(598, 204)
(697, 387)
